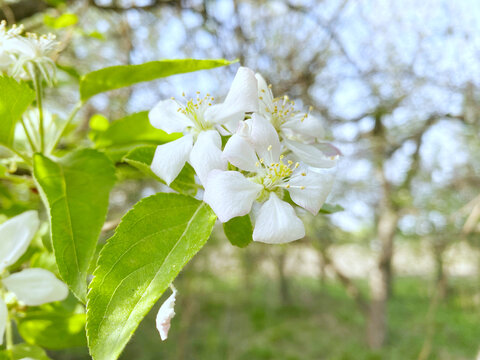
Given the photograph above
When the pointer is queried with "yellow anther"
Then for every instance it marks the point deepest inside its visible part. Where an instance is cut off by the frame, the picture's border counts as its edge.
(209, 104)
(297, 165)
(172, 98)
(281, 157)
(302, 187)
(198, 92)
(257, 164)
(290, 162)
(310, 108)
(287, 186)
(269, 86)
(261, 98)
(304, 174)
(269, 147)
(261, 160)
(183, 93)
(262, 90)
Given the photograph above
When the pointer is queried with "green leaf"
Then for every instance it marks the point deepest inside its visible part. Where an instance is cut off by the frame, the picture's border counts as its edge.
(116, 77)
(132, 129)
(239, 231)
(154, 241)
(53, 329)
(14, 100)
(330, 209)
(75, 190)
(22, 351)
(141, 158)
(64, 20)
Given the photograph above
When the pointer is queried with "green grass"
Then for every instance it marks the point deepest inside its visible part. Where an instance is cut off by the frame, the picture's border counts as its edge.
(222, 320)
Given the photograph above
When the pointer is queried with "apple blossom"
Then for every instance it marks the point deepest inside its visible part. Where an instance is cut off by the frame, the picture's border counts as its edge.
(6, 36)
(201, 122)
(256, 150)
(32, 53)
(301, 133)
(33, 286)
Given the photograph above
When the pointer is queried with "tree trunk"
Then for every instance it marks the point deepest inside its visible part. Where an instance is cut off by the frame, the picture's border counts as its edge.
(440, 274)
(283, 281)
(381, 280)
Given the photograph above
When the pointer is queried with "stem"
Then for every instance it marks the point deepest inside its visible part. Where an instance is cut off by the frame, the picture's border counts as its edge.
(24, 158)
(9, 334)
(29, 138)
(37, 83)
(8, 327)
(74, 112)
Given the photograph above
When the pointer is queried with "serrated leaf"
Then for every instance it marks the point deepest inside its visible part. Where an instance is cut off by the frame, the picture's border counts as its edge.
(141, 158)
(14, 100)
(132, 129)
(154, 241)
(115, 77)
(53, 329)
(239, 231)
(75, 190)
(330, 208)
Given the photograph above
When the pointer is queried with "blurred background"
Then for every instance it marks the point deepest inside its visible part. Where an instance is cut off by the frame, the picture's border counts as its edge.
(397, 85)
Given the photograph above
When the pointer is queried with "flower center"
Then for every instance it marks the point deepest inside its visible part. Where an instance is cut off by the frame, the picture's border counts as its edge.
(283, 110)
(276, 174)
(194, 109)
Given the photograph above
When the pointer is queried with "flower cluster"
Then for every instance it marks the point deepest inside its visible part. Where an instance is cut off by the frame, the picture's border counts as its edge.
(33, 286)
(274, 161)
(22, 57)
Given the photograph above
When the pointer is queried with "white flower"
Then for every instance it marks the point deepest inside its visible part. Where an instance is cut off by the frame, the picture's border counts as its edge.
(34, 53)
(6, 57)
(301, 133)
(33, 286)
(201, 122)
(52, 124)
(36, 286)
(256, 149)
(15, 236)
(165, 315)
(3, 319)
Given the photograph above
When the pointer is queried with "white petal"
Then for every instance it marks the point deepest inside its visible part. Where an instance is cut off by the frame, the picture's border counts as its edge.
(206, 154)
(170, 158)
(36, 286)
(277, 223)
(239, 152)
(266, 102)
(15, 236)
(230, 194)
(3, 319)
(165, 315)
(241, 98)
(309, 126)
(165, 116)
(319, 155)
(265, 137)
(244, 91)
(318, 185)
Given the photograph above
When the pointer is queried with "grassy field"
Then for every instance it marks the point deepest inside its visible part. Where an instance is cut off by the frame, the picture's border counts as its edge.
(218, 320)
(221, 320)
